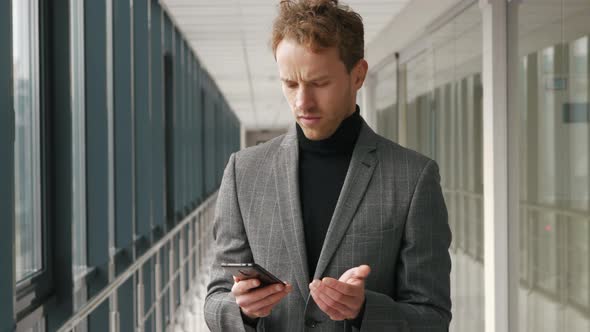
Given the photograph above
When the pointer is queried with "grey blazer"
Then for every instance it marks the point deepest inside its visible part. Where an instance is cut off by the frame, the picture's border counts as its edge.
(390, 215)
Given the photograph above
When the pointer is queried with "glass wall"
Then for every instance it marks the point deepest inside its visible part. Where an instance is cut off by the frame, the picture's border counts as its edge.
(63, 164)
(78, 151)
(386, 101)
(27, 156)
(78, 139)
(554, 211)
(444, 122)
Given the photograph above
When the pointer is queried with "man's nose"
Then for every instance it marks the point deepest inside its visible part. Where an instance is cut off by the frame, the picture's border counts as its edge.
(304, 99)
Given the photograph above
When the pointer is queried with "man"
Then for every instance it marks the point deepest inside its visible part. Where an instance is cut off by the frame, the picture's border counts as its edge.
(355, 224)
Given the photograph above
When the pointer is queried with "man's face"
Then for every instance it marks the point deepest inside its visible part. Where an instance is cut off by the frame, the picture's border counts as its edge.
(319, 89)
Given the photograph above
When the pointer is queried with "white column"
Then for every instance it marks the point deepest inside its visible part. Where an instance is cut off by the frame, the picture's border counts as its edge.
(495, 155)
(514, 122)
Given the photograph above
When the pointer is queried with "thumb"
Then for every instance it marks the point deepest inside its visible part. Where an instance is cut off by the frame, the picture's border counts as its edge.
(358, 273)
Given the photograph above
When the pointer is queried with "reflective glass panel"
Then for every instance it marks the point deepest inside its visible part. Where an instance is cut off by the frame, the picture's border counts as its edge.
(78, 139)
(444, 122)
(386, 101)
(554, 211)
(27, 181)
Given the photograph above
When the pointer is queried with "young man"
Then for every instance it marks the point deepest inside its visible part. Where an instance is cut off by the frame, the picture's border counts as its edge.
(355, 224)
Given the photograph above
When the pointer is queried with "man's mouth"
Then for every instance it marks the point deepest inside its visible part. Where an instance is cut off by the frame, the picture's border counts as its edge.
(308, 120)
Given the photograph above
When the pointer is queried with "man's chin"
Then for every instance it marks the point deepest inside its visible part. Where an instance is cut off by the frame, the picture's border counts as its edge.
(314, 135)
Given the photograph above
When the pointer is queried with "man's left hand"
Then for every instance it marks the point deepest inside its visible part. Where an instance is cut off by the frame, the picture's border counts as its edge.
(343, 298)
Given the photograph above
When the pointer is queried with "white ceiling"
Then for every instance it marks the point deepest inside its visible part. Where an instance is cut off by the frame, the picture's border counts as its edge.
(231, 38)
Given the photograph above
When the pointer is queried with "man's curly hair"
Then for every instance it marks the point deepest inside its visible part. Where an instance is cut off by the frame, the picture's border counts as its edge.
(320, 24)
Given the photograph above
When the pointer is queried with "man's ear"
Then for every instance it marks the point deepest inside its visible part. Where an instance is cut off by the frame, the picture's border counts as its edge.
(360, 73)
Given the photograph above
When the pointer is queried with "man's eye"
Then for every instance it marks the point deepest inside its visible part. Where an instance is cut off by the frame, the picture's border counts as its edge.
(321, 84)
(291, 85)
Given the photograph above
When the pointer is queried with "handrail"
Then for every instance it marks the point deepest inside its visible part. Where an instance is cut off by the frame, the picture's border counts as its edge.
(527, 205)
(568, 212)
(109, 290)
(465, 193)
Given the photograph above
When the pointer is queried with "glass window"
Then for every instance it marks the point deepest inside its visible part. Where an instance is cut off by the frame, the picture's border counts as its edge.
(78, 139)
(578, 276)
(386, 101)
(444, 122)
(79, 236)
(27, 179)
(37, 327)
(553, 106)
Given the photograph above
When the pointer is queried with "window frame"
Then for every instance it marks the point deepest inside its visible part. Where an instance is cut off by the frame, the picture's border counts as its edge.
(32, 132)
(6, 169)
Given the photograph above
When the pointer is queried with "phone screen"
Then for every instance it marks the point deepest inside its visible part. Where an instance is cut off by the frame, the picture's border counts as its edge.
(246, 271)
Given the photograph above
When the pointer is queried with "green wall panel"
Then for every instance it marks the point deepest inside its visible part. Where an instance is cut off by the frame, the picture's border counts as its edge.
(143, 126)
(97, 154)
(6, 170)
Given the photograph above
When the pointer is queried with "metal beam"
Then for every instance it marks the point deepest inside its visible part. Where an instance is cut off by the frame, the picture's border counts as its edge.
(6, 171)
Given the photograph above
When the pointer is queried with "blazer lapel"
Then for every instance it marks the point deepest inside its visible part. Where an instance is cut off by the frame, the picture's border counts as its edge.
(360, 171)
(287, 182)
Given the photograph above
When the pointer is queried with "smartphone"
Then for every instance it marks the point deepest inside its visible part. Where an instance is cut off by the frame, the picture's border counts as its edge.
(250, 271)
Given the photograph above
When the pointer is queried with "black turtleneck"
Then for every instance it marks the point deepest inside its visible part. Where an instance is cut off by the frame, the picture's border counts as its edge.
(323, 166)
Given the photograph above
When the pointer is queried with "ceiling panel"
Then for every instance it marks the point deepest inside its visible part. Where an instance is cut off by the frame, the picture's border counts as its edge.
(231, 38)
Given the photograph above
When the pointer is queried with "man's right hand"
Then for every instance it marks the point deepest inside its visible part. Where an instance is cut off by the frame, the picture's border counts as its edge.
(256, 303)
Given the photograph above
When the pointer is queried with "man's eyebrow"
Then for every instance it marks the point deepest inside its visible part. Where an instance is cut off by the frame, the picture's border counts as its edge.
(320, 78)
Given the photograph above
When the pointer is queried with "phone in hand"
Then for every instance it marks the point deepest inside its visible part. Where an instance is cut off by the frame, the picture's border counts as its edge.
(245, 271)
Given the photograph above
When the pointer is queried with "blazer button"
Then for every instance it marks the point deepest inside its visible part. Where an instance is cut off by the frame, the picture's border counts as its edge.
(311, 323)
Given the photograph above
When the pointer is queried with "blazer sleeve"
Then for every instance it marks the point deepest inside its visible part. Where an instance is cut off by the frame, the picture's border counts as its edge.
(422, 298)
(221, 311)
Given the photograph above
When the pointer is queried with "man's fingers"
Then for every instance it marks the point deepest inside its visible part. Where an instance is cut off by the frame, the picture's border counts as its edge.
(359, 272)
(265, 311)
(256, 303)
(341, 287)
(335, 304)
(253, 296)
(348, 302)
(347, 275)
(269, 301)
(333, 313)
(244, 286)
(362, 272)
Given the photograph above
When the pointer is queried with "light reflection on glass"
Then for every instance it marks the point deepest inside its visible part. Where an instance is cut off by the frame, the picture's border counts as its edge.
(78, 140)
(28, 241)
(445, 122)
(553, 100)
